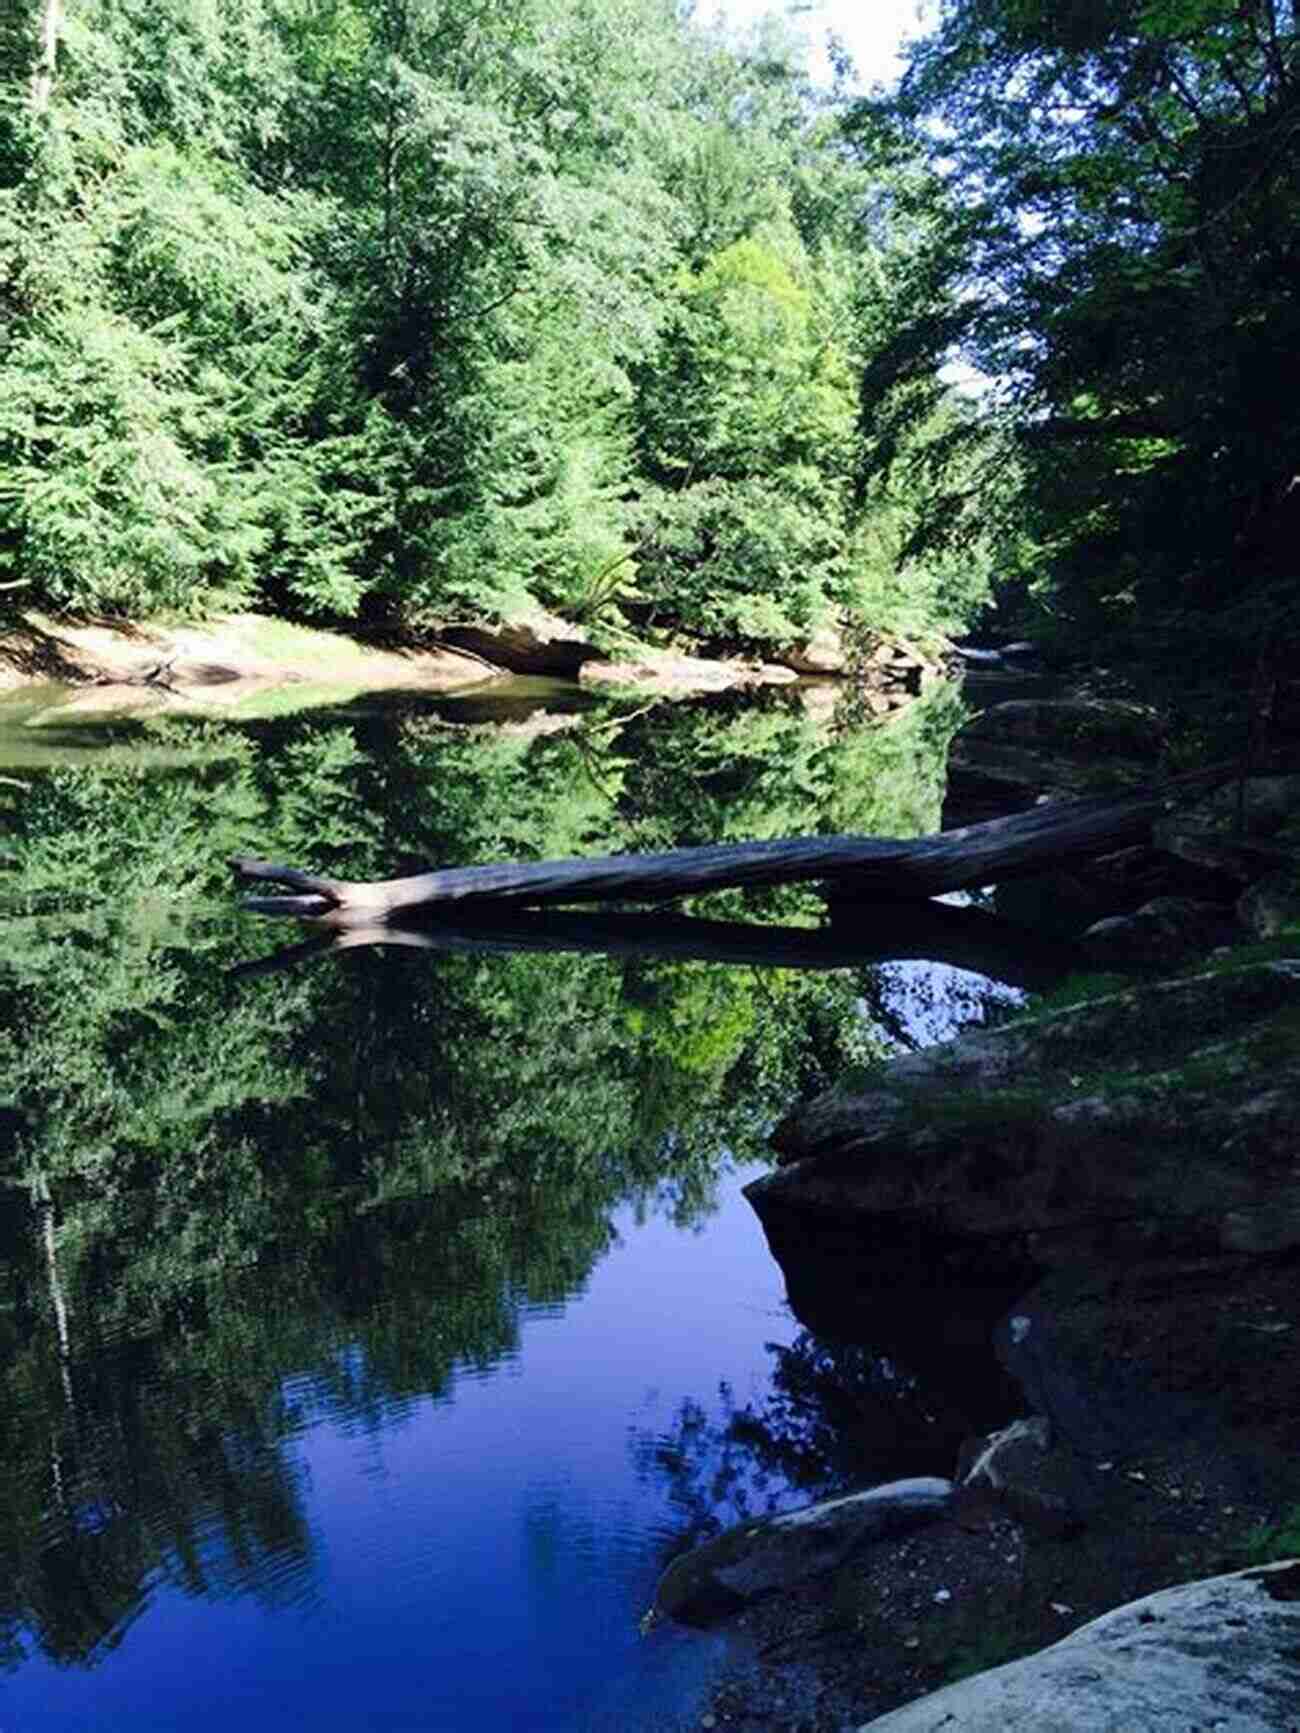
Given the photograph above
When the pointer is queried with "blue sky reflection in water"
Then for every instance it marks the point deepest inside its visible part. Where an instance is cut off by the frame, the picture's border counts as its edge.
(481, 1560)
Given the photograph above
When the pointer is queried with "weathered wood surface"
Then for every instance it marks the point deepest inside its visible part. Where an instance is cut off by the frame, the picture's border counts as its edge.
(872, 868)
(934, 932)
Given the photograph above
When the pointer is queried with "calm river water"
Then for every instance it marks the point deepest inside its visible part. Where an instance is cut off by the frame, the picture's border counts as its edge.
(374, 1328)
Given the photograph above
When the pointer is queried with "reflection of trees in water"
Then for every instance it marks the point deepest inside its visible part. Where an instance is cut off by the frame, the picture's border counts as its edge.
(166, 1455)
(118, 1479)
(349, 1182)
(835, 1416)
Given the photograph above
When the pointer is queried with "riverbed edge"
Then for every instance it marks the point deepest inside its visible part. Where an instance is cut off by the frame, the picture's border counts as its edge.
(226, 659)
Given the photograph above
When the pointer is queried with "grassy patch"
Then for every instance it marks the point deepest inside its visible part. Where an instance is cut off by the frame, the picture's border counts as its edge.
(282, 641)
(993, 1646)
(1084, 987)
(1285, 947)
(1076, 989)
(1282, 1541)
(980, 1109)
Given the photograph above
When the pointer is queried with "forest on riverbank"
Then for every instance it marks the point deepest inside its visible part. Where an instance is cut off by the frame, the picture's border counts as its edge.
(396, 314)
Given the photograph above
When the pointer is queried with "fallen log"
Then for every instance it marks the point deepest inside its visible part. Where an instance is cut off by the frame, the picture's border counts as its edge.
(867, 868)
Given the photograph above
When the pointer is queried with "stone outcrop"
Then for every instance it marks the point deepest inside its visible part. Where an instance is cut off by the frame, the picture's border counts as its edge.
(1121, 1178)
(1248, 834)
(822, 652)
(1059, 1127)
(1024, 749)
(1271, 904)
(1258, 806)
(669, 674)
(716, 1580)
(532, 643)
(1158, 904)
(1224, 1652)
(1165, 932)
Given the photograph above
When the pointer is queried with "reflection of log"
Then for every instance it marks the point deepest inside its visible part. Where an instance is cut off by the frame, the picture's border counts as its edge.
(964, 938)
(872, 867)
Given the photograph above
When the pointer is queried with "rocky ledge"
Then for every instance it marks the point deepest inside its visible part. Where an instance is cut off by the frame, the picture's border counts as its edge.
(1087, 1218)
(1159, 1114)
(1223, 1653)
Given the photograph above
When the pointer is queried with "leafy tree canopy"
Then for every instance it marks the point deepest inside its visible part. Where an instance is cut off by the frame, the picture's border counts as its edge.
(393, 312)
(1116, 251)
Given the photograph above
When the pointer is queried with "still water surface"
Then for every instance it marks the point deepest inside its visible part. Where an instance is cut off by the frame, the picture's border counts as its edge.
(376, 1328)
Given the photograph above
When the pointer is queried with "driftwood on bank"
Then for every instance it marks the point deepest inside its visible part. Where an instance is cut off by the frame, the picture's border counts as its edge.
(864, 868)
(934, 932)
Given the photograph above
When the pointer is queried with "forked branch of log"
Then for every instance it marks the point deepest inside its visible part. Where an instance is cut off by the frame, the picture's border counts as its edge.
(866, 868)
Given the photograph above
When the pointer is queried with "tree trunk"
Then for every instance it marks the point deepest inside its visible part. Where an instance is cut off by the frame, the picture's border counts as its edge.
(864, 869)
(48, 30)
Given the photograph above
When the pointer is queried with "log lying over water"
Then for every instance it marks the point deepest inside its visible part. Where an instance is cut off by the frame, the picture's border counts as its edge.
(867, 868)
(933, 932)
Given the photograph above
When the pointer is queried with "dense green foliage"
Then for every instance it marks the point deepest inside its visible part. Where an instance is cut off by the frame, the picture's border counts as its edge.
(1116, 250)
(399, 311)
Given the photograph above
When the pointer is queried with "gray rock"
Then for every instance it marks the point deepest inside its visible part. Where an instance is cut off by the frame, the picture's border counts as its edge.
(759, 1558)
(1271, 904)
(1215, 851)
(1157, 1022)
(1268, 1224)
(1165, 931)
(536, 643)
(1059, 1127)
(1223, 1653)
(1263, 804)
(823, 652)
(820, 700)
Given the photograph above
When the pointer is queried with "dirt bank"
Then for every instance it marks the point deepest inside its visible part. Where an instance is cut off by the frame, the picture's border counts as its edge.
(232, 661)
(221, 663)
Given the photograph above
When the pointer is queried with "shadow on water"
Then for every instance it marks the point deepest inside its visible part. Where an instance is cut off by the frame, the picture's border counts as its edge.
(960, 938)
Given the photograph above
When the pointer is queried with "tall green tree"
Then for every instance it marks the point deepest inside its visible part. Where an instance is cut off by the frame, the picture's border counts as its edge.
(1121, 260)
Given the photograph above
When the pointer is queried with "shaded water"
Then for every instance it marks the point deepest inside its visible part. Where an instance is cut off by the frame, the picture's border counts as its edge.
(375, 1329)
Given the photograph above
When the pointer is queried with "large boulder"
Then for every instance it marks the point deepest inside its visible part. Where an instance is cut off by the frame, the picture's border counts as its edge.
(532, 643)
(1224, 1652)
(1256, 806)
(1073, 898)
(1059, 1128)
(821, 652)
(1271, 904)
(1165, 932)
(716, 1580)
